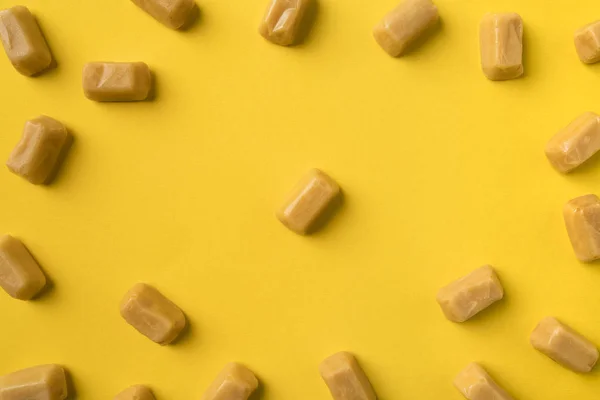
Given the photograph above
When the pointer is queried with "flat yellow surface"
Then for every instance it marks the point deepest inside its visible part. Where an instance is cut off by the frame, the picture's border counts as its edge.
(443, 171)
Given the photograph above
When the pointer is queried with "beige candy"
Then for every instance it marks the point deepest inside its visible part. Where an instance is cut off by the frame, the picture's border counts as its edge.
(404, 25)
(43, 382)
(564, 345)
(152, 314)
(476, 384)
(23, 41)
(465, 297)
(575, 144)
(311, 197)
(501, 44)
(345, 378)
(116, 81)
(282, 21)
(173, 14)
(587, 43)
(20, 275)
(582, 219)
(37, 154)
(136, 392)
(234, 382)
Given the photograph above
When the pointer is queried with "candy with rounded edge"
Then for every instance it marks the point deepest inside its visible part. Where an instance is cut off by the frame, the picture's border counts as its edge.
(402, 26)
(23, 41)
(116, 81)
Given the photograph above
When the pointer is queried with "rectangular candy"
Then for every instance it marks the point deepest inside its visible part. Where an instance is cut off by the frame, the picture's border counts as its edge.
(564, 345)
(501, 44)
(282, 21)
(587, 43)
(404, 25)
(173, 14)
(20, 275)
(116, 81)
(467, 296)
(309, 200)
(152, 314)
(23, 41)
(582, 220)
(234, 382)
(136, 392)
(37, 154)
(475, 384)
(575, 144)
(345, 378)
(43, 382)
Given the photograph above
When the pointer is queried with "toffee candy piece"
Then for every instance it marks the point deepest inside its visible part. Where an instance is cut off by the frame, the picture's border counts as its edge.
(469, 295)
(564, 345)
(112, 81)
(311, 197)
(501, 45)
(173, 14)
(37, 154)
(345, 378)
(404, 25)
(582, 220)
(43, 382)
(234, 382)
(152, 314)
(23, 41)
(20, 275)
(476, 384)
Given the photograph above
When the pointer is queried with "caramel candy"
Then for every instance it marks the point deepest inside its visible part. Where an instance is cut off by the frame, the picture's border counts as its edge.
(587, 43)
(467, 296)
(234, 382)
(282, 21)
(173, 14)
(23, 41)
(475, 384)
(37, 154)
(501, 42)
(20, 275)
(311, 197)
(575, 144)
(43, 382)
(152, 314)
(136, 392)
(582, 219)
(345, 378)
(116, 81)
(404, 25)
(564, 345)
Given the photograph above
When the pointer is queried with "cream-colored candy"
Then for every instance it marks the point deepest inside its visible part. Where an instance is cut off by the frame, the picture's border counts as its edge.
(43, 382)
(282, 21)
(311, 197)
(152, 314)
(23, 41)
(501, 44)
(136, 392)
(587, 43)
(173, 14)
(404, 25)
(37, 154)
(20, 275)
(116, 81)
(582, 219)
(564, 345)
(234, 382)
(467, 296)
(345, 378)
(476, 384)
(575, 144)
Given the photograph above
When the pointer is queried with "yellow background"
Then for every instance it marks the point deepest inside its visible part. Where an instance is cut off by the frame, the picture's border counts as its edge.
(443, 171)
